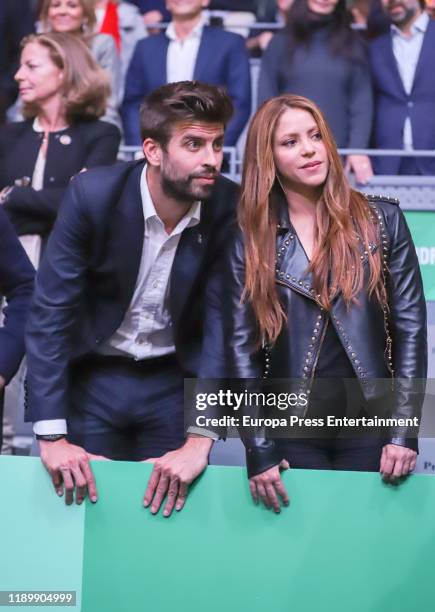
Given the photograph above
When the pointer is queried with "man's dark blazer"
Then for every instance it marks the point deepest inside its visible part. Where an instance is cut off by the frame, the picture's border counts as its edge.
(393, 105)
(87, 278)
(222, 60)
(85, 144)
(16, 285)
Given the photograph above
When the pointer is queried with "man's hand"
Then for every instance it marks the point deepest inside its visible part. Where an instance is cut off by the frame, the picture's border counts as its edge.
(361, 166)
(68, 466)
(267, 485)
(173, 473)
(396, 461)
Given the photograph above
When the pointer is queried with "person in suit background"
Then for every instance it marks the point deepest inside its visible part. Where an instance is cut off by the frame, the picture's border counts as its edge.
(16, 282)
(78, 17)
(124, 292)
(63, 93)
(401, 64)
(318, 56)
(125, 24)
(15, 22)
(153, 11)
(188, 50)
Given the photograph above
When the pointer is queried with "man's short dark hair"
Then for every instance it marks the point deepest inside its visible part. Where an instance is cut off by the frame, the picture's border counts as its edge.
(182, 102)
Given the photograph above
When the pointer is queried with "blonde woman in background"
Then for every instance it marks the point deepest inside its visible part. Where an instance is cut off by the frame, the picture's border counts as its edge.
(78, 17)
(64, 93)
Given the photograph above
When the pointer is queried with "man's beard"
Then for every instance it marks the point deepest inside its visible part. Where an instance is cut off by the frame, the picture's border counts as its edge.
(404, 17)
(184, 189)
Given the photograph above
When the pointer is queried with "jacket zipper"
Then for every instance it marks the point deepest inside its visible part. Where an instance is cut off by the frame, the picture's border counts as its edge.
(322, 338)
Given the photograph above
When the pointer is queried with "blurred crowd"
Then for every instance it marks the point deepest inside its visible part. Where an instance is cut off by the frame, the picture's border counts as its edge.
(73, 74)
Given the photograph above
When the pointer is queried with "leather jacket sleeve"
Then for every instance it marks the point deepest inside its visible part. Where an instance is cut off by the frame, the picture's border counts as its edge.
(245, 358)
(407, 319)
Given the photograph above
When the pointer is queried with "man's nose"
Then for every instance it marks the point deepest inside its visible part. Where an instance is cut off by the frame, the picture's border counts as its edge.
(212, 157)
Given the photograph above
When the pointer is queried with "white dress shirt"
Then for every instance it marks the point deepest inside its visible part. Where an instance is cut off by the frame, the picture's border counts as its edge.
(146, 330)
(182, 54)
(407, 51)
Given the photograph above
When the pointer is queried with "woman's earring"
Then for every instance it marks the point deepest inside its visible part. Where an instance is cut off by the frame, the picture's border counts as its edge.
(85, 26)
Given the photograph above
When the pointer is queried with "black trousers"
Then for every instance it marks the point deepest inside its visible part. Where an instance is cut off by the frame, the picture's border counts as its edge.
(350, 454)
(333, 448)
(125, 409)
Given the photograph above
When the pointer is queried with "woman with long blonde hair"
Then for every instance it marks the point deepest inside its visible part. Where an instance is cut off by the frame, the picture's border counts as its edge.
(78, 18)
(322, 287)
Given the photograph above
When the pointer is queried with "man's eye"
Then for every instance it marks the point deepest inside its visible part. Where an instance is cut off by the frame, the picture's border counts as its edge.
(218, 146)
(193, 145)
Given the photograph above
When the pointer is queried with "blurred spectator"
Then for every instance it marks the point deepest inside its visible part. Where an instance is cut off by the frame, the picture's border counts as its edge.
(78, 17)
(377, 21)
(271, 12)
(233, 5)
(320, 57)
(153, 11)
(125, 23)
(15, 22)
(403, 77)
(430, 8)
(188, 50)
(63, 93)
(16, 281)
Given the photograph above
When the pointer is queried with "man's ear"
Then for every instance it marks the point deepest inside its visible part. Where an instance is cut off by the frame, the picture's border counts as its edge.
(152, 151)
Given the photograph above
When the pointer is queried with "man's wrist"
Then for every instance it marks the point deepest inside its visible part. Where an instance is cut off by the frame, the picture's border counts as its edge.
(50, 437)
(203, 443)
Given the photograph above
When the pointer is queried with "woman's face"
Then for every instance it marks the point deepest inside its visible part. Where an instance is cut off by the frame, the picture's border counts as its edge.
(39, 79)
(65, 15)
(322, 7)
(299, 152)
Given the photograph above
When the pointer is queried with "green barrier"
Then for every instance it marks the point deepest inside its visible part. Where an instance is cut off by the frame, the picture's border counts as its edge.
(422, 226)
(41, 540)
(347, 543)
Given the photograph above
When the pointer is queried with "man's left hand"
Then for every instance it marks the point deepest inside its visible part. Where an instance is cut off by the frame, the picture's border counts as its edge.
(174, 472)
(397, 461)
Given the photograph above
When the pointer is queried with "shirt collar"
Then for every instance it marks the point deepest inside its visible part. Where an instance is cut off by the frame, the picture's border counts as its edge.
(191, 218)
(195, 33)
(419, 26)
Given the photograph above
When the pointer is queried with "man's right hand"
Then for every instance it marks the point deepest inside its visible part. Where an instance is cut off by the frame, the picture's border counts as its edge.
(268, 485)
(69, 468)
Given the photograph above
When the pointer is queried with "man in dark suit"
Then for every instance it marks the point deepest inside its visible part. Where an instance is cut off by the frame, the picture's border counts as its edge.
(126, 289)
(188, 50)
(401, 64)
(16, 286)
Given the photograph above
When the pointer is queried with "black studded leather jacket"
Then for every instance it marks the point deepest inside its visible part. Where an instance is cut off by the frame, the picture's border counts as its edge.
(363, 328)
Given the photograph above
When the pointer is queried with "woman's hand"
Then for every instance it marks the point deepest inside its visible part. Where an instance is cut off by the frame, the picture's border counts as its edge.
(268, 485)
(397, 461)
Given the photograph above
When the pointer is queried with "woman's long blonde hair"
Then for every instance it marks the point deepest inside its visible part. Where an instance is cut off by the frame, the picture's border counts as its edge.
(344, 221)
(85, 86)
